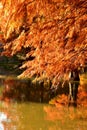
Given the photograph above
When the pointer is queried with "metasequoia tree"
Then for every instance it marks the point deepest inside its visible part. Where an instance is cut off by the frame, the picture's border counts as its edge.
(52, 34)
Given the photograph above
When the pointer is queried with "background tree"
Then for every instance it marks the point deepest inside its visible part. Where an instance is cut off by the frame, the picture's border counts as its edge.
(52, 35)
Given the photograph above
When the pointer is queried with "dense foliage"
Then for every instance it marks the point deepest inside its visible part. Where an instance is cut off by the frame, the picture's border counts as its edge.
(51, 34)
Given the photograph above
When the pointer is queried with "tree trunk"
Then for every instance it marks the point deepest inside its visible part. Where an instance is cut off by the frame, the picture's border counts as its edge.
(73, 88)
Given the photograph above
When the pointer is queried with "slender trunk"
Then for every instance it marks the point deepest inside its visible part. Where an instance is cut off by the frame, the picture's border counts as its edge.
(73, 88)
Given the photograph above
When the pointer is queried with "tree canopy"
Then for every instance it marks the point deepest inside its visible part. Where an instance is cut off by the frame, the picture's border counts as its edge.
(52, 33)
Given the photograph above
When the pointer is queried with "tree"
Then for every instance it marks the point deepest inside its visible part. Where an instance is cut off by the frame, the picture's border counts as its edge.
(52, 33)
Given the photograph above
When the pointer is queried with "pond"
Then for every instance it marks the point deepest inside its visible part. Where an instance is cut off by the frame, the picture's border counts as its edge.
(37, 116)
(35, 113)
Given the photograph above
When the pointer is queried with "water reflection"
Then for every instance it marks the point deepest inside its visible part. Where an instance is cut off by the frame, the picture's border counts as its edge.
(3, 118)
(24, 90)
(1, 126)
(25, 115)
(36, 116)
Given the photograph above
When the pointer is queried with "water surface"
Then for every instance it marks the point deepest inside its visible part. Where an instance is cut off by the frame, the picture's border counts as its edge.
(37, 116)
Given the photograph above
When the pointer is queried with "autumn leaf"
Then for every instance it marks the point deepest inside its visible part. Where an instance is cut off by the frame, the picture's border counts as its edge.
(52, 32)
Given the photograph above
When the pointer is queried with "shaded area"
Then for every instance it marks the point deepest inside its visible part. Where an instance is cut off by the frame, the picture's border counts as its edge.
(12, 90)
(25, 90)
(62, 99)
(10, 65)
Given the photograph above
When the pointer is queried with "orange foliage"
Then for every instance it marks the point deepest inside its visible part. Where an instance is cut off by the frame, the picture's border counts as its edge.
(53, 31)
(62, 99)
(82, 96)
(63, 114)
